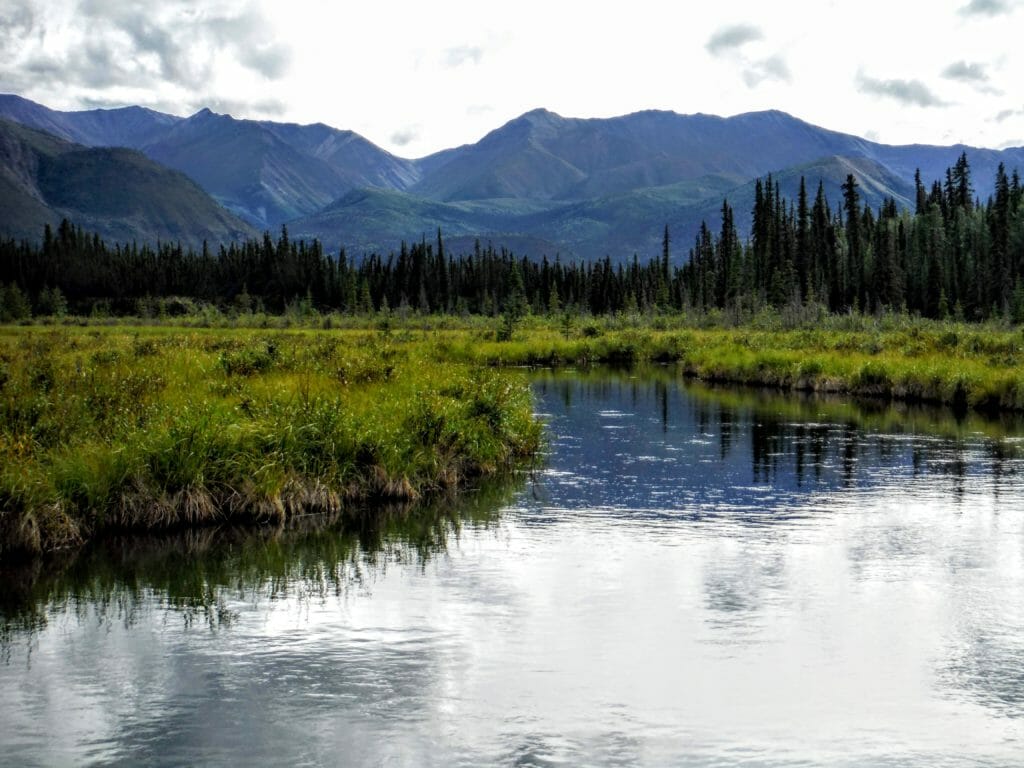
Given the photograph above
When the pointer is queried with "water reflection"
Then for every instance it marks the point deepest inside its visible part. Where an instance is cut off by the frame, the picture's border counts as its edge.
(695, 577)
(695, 462)
(198, 574)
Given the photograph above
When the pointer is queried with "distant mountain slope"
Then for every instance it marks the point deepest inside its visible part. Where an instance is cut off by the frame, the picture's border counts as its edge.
(247, 168)
(543, 155)
(932, 161)
(633, 223)
(366, 220)
(358, 161)
(265, 172)
(622, 225)
(270, 173)
(875, 184)
(117, 192)
(616, 226)
(588, 187)
(124, 127)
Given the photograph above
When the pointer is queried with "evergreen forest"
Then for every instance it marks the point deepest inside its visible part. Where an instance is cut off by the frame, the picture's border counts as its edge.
(956, 255)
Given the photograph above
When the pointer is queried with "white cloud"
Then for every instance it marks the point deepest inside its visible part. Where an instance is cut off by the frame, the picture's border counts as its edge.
(462, 54)
(772, 68)
(115, 50)
(986, 8)
(378, 68)
(970, 73)
(909, 92)
(732, 37)
(405, 136)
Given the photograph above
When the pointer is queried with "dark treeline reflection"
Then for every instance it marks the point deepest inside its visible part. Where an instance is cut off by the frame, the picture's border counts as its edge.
(196, 573)
(725, 446)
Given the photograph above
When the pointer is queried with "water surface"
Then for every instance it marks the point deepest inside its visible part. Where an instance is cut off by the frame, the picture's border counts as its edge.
(695, 577)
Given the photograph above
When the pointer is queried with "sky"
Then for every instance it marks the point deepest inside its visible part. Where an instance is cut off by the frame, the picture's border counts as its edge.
(418, 77)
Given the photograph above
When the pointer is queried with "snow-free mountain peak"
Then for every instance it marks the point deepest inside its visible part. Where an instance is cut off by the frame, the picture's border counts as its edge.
(585, 186)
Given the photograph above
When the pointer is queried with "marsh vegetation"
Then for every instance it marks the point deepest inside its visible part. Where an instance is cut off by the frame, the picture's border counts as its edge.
(110, 427)
(105, 429)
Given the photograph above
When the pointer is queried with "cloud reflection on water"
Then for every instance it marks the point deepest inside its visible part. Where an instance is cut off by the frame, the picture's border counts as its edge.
(784, 582)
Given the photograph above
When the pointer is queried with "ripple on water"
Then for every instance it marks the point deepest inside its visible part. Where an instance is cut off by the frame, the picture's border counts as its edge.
(715, 582)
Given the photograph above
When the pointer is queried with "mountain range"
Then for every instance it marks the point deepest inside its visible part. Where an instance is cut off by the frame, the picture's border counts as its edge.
(119, 193)
(541, 183)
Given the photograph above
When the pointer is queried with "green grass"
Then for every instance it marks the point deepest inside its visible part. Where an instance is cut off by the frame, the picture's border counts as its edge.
(112, 428)
(967, 367)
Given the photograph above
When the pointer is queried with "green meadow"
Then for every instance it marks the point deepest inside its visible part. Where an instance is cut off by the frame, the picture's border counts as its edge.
(149, 428)
(966, 366)
(123, 427)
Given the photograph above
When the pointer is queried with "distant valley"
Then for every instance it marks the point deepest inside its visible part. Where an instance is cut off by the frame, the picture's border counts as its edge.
(540, 184)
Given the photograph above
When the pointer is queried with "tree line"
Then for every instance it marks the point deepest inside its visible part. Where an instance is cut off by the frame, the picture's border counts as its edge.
(953, 255)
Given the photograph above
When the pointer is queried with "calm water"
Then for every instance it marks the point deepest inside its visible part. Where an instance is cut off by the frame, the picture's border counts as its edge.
(694, 578)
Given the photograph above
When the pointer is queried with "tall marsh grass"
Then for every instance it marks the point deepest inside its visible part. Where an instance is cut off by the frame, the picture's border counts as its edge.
(110, 428)
(107, 427)
(965, 366)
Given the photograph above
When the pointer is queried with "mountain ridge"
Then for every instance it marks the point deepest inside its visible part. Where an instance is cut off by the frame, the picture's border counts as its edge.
(117, 192)
(259, 170)
(584, 186)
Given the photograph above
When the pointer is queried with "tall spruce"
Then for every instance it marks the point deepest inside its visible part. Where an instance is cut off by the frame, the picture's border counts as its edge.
(854, 258)
(950, 255)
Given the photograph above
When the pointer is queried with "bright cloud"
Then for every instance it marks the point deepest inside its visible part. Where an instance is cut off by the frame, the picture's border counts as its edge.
(418, 77)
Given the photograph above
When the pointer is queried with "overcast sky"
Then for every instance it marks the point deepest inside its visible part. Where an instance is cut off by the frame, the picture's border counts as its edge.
(417, 77)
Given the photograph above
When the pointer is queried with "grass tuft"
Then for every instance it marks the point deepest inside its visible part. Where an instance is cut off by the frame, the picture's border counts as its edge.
(155, 428)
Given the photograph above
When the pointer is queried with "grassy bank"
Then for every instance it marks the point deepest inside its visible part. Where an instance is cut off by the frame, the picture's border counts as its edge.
(949, 364)
(112, 428)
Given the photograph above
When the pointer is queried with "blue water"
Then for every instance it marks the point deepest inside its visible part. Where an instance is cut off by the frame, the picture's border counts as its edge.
(692, 578)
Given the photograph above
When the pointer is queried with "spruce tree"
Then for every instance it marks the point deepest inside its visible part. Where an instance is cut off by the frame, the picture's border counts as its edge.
(851, 207)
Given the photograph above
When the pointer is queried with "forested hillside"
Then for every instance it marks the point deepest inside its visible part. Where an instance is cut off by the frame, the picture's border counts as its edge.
(954, 255)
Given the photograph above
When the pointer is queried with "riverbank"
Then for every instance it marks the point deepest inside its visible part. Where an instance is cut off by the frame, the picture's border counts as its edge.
(109, 427)
(963, 366)
(155, 428)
